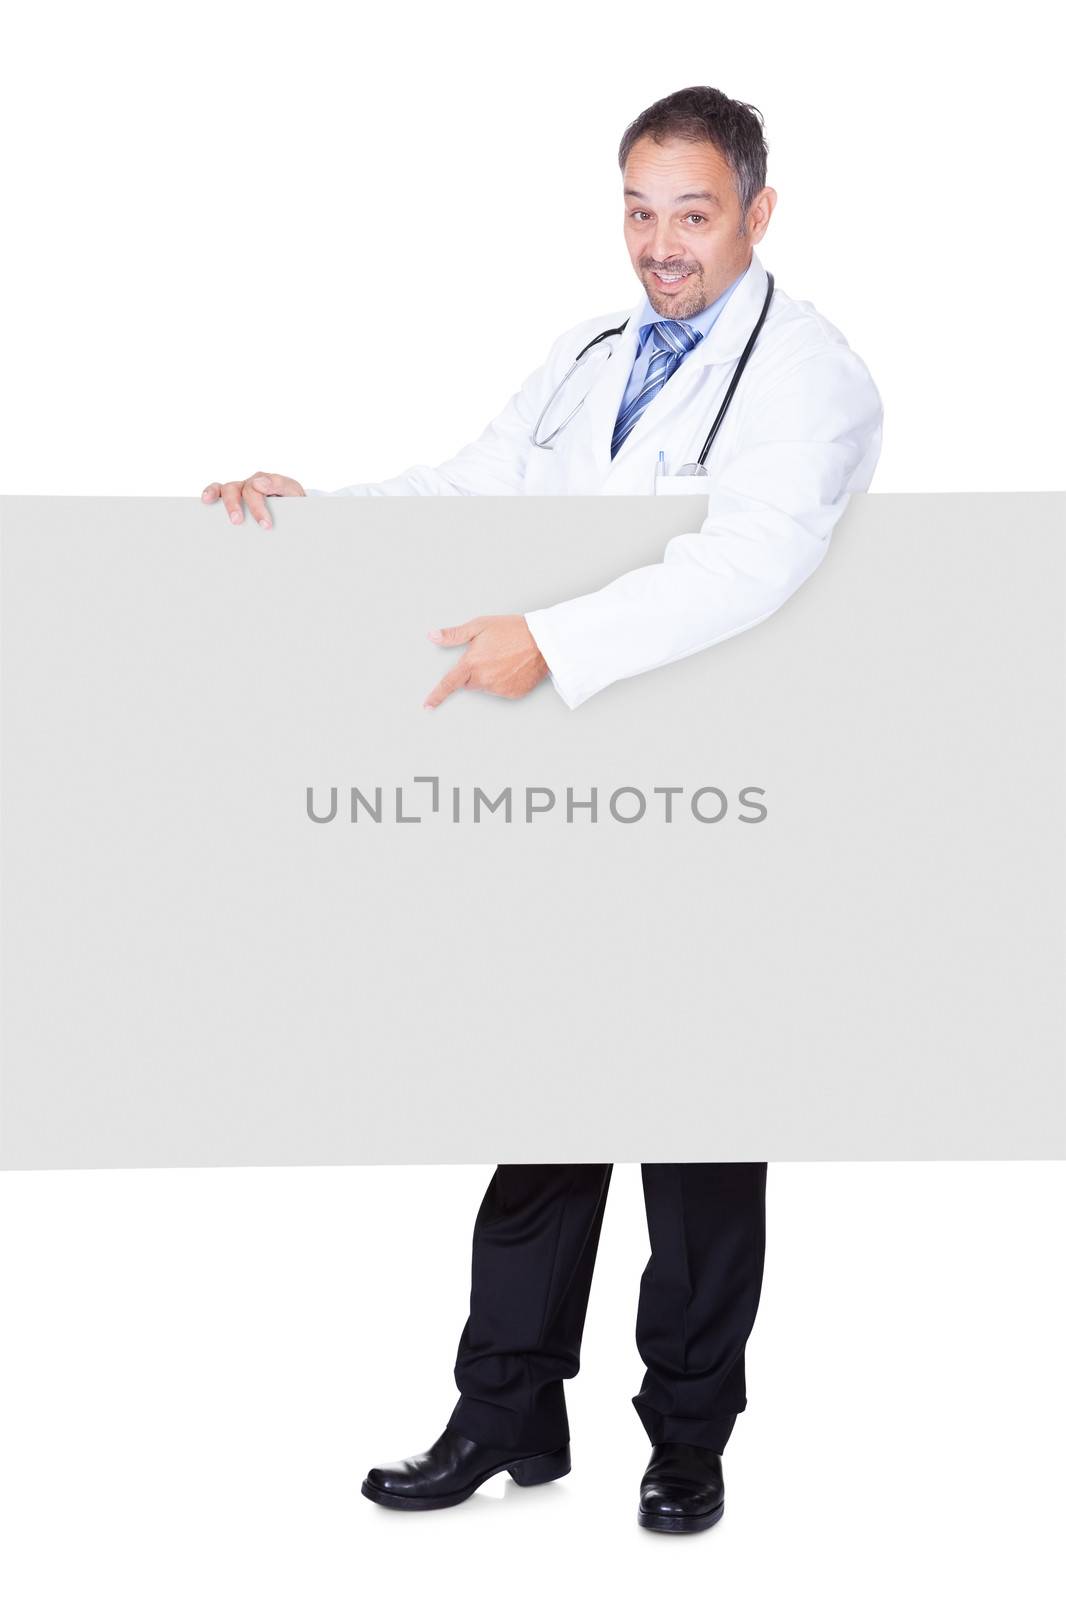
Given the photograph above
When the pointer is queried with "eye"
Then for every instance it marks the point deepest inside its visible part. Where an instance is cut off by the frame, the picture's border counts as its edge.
(699, 217)
(640, 214)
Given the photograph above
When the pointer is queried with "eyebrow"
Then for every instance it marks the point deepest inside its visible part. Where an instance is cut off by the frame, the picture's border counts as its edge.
(693, 194)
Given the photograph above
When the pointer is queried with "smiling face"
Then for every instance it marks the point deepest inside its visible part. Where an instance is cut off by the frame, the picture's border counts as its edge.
(682, 223)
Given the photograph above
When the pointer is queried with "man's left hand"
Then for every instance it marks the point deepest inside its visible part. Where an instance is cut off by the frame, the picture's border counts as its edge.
(503, 659)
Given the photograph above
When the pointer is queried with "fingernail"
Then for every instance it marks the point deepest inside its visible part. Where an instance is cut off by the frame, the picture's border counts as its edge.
(235, 516)
(263, 523)
(436, 635)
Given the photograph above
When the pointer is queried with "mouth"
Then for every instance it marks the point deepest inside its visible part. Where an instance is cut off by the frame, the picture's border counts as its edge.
(671, 280)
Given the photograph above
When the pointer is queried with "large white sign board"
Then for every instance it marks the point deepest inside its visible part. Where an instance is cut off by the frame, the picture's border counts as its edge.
(195, 972)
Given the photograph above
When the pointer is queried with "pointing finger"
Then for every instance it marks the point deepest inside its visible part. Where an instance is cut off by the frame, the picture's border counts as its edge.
(457, 678)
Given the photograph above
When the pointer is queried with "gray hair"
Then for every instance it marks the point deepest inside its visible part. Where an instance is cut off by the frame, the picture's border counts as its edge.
(705, 114)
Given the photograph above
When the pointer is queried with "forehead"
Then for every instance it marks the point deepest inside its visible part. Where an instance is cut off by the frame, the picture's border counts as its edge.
(665, 172)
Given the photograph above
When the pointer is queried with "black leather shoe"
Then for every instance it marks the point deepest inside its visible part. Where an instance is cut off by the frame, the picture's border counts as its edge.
(681, 1490)
(450, 1470)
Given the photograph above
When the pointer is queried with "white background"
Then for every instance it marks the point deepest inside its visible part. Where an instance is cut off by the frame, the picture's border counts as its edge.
(295, 238)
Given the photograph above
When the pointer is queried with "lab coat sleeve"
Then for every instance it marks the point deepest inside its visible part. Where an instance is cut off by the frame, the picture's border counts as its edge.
(494, 463)
(805, 444)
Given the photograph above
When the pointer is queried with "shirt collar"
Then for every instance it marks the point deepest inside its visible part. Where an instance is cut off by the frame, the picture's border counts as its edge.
(701, 323)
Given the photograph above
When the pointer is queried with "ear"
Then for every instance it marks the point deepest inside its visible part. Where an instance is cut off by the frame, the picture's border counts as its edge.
(760, 213)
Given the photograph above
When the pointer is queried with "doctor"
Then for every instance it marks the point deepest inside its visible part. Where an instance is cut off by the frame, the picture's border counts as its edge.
(802, 432)
(712, 352)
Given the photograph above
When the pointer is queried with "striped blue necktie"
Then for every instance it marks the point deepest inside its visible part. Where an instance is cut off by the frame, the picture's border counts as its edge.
(672, 341)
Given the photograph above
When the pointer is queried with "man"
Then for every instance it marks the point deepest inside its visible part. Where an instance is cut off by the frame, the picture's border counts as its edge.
(803, 434)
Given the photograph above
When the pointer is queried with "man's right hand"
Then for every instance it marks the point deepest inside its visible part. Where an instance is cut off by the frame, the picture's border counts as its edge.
(254, 491)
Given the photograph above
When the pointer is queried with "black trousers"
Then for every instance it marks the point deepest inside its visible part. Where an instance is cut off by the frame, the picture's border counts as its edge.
(534, 1249)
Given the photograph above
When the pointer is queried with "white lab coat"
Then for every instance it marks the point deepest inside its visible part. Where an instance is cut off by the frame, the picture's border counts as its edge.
(803, 432)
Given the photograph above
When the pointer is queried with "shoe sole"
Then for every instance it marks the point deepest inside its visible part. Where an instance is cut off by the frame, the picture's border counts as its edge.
(527, 1471)
(658, 1522)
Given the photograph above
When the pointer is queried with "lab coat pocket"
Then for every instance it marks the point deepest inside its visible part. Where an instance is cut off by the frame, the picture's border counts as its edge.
(682, 483)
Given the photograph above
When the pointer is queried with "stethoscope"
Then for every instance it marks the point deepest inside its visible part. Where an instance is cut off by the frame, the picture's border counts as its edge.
(692, 469)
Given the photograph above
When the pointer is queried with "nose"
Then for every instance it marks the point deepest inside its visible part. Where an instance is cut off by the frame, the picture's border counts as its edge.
(665, 246)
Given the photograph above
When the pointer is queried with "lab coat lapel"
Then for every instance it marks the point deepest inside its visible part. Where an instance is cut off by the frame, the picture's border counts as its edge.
(600, 411)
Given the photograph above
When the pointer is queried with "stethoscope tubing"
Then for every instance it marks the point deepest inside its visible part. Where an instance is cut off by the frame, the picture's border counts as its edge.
(608, 333)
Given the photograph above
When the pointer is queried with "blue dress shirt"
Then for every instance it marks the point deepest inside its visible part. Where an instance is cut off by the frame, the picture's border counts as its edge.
(702, 322)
